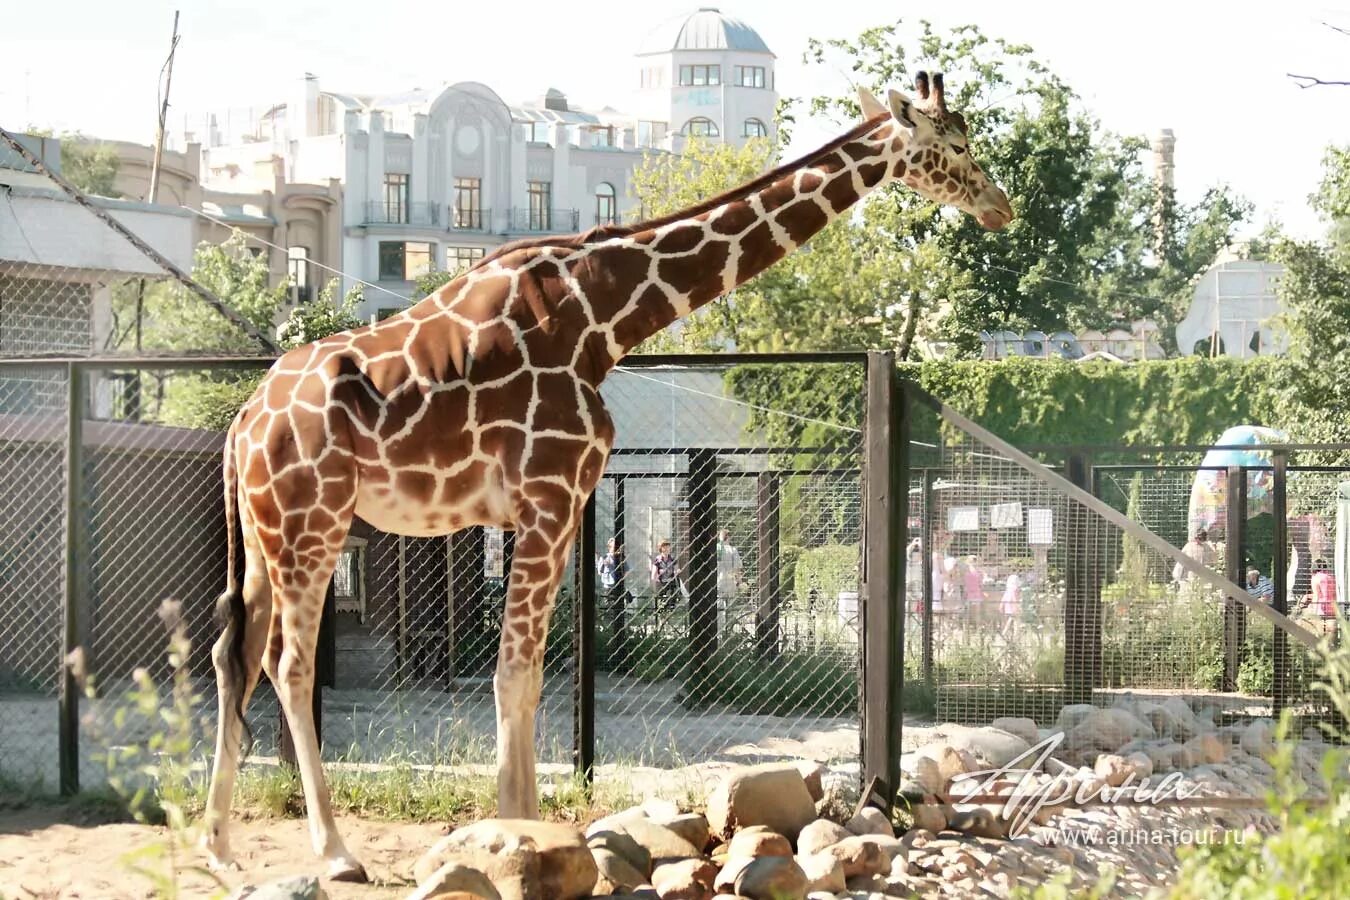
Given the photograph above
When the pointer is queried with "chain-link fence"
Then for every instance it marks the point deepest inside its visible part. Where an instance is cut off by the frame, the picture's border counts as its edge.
(1120, 589)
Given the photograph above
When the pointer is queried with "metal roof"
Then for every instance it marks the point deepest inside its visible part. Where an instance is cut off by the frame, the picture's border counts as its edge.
(707, 29)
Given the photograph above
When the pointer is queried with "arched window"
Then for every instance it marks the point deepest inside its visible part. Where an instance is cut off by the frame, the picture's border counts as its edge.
(754, 128)
(701, 127)
(606, 210)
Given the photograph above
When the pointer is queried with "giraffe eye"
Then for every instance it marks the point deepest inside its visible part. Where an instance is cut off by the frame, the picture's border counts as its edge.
(958, 149)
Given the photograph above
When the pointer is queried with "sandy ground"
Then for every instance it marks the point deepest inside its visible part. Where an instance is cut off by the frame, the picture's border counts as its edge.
(43, 855)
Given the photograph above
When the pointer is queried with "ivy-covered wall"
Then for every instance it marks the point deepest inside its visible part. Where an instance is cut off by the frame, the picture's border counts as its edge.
(1178, 401)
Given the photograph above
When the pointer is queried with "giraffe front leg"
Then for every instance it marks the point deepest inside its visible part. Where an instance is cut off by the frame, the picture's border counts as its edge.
(536, 568)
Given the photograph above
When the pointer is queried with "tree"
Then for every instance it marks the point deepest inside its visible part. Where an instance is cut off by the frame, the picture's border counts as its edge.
(89, 164)
(1307, 81)
(1078, 254)
(1315, 294)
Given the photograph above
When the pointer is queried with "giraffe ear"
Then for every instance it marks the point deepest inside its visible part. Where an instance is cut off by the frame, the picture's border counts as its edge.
(871, 106)
(902, 109)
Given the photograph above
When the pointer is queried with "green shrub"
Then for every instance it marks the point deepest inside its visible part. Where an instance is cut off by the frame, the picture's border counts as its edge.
(829, 569)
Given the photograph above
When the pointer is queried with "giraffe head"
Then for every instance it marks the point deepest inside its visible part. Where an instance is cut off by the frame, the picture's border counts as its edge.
(936, 156)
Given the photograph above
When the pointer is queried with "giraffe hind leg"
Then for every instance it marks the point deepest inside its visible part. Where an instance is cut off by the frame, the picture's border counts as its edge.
(300, 588)
(233, 697)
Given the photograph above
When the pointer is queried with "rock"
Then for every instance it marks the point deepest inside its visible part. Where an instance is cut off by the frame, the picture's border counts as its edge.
(928, 775)
(758, 841)
(1112, 769)
(457, 881)
(612, 822)
(1183, 723)
(823, 873)
(621, 843)
(616, 873)
(775, 796)
(522, 858)
(689, 879)
(870, 820)
(693, 827)
(818, 835)
(990, 748)
(1072, 714)
(813, 773)
(772, 878)
(1107, 729)
(660, 842)
(859, 855)
(930, 816)
(1258, 739)
(980, 821)
(1207, 749)
(951, 763)
(1021, 727)
(299, 887)
(1142, 765)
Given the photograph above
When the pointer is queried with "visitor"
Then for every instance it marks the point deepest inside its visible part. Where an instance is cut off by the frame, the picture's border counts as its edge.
(665, 576)
(1199, 549)
(1011, 605)
(728, 568)
(612, 567)
(1259, 586)
(1323, 590)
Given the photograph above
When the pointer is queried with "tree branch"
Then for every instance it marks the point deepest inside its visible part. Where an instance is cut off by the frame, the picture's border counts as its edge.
(1344, 31)
(1307, 81)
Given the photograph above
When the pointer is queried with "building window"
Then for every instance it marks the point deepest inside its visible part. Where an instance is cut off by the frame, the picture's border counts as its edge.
(404, 260)
(754, 128)
(596, 136)
(606, 209)
(653, 77)
(699, 76)
(541, 199)
(750, 76)
(458, 259)
(396, 198)
(701, 127)
(468, 203)
(387, 311)
(537, 132)
(297, 262)
(651, 134)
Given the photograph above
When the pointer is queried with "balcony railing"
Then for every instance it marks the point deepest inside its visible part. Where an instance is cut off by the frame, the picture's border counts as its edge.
(381, 213)
(615, 219)
(470, 219)
(543, 221)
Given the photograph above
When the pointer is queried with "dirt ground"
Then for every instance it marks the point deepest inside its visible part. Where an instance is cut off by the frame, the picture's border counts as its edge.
(45, 857)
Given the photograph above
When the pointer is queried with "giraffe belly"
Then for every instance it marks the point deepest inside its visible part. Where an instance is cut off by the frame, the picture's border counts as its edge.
(414, 508)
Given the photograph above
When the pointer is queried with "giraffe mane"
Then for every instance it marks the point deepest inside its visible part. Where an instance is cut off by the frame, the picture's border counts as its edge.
(600, 232)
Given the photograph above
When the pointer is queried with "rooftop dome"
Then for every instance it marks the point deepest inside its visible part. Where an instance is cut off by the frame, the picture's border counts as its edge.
(707, 29)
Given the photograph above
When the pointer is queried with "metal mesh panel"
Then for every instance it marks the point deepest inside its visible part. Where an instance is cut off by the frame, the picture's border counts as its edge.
(1042, 604)
(32, 583)
(742, 641)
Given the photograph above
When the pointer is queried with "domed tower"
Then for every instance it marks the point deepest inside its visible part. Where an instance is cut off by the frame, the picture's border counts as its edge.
(704, 75)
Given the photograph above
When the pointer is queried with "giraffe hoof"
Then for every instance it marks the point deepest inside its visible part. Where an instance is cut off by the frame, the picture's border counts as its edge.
(348, 870)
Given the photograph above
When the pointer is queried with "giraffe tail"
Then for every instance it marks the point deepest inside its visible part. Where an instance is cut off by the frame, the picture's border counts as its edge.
(230, 612)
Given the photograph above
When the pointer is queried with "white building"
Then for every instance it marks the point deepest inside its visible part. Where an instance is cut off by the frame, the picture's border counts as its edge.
(433, 179)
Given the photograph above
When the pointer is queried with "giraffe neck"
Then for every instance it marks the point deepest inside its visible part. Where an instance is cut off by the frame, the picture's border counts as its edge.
(689, 259)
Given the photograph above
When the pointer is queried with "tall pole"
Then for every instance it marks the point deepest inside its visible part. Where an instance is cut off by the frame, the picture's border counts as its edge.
(163, 116)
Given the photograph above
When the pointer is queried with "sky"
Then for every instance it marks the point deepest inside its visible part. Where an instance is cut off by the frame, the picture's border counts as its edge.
(1213, 72)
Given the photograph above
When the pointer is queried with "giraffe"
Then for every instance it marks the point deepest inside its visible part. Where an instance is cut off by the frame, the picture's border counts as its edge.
(480, 406)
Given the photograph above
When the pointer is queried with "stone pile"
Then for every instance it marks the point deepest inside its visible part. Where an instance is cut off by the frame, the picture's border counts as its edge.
(791, 832)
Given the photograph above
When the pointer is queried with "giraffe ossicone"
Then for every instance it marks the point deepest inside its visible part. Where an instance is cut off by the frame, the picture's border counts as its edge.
(480, 406)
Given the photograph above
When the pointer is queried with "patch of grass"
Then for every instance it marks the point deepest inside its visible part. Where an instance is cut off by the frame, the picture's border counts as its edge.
(795, 682)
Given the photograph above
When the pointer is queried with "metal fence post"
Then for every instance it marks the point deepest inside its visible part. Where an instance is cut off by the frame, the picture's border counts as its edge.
(583, 733)
(926, 625)
(1280, 602)
(618, 650)
(1234, 613)
(769, 583)
(702, 582)
(75, 594)
(1082, 594)
(886, 483)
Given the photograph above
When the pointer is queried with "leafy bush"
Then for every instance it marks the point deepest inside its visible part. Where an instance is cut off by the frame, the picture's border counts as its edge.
(829, 569)
(820, 683)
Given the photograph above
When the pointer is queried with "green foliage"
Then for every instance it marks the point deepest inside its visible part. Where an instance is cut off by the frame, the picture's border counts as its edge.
(321, 317)
(828, 570)
(1306, 856)
(794, 682)
(429, 283)
(1190, 400)
(1156, 636)
(88, 164)
(156, 779)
